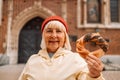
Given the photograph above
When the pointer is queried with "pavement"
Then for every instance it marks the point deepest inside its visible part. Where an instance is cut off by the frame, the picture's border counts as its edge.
(111, 75)
(11, 72)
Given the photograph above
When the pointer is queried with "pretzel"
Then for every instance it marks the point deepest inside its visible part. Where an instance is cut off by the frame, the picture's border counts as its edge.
(92, 38)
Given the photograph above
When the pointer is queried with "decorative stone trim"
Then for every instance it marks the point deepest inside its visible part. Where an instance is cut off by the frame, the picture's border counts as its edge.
(4, 59)
(1, 4)
(64, 9)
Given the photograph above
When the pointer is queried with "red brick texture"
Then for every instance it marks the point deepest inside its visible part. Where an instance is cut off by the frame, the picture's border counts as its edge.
(55, 6)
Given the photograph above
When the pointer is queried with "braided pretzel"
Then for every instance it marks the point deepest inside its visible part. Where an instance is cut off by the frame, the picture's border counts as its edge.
(95, 38)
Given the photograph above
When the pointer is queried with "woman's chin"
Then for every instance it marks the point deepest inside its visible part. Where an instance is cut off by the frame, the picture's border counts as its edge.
(53, 49)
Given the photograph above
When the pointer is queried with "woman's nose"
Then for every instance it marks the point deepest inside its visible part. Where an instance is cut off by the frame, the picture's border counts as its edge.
(54, 34)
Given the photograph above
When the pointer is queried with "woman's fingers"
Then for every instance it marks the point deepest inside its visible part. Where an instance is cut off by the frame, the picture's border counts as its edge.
(94, 59)
(95, 66)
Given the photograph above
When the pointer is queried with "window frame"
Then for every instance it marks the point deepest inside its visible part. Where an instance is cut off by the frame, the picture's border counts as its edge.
(105, 16)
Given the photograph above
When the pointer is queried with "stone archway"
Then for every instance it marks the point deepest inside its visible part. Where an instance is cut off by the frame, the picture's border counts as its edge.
(19, 22)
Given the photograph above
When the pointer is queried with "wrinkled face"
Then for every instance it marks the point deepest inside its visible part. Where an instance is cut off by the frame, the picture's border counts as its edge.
(54, 38)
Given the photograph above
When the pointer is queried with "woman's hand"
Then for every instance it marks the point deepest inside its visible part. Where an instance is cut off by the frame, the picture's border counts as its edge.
(95, 66)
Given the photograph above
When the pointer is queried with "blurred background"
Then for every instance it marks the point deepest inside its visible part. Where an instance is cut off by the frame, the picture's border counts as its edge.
(20, 35)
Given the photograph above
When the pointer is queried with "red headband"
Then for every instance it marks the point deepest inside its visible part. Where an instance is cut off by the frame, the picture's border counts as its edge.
(57, 18)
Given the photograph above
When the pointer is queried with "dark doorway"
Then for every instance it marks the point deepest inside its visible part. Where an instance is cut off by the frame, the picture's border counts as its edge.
(29, 39)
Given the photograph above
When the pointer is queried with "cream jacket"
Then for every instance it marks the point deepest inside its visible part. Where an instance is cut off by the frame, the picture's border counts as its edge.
(64, 65)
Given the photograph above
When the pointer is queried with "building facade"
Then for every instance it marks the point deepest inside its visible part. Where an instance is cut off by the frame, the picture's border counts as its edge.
(20, 22)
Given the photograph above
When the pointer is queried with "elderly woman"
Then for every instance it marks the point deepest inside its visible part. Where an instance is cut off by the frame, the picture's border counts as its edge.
(56, 61)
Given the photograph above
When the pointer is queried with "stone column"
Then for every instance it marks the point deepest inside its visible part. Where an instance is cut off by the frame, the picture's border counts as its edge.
(9, 50)
(85, 12)
(119, 10)
(105, 8)
(1, 4)
(79, 18)
(108, 13)
(64, 9)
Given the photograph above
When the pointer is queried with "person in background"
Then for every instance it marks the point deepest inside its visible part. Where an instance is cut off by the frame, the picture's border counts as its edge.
(56, 61)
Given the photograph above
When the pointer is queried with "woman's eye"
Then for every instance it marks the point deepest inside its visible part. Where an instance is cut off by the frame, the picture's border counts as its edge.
(58, 31)
(48, 30)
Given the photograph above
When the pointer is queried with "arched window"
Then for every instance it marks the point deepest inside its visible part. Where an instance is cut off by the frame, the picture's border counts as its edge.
(114, 10)
(98, 13)
(93, 11)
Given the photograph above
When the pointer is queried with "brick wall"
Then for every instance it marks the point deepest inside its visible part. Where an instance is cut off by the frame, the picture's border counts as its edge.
(3, 27)
(55, 6)
(20, 5)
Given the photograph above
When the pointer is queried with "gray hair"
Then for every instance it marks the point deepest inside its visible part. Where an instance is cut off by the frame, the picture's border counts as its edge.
(59, 25)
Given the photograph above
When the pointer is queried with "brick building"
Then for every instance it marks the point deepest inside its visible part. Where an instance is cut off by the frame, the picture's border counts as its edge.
(20, 22)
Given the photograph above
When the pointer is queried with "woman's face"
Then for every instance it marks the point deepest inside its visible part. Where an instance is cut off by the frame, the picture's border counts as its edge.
(54, 38)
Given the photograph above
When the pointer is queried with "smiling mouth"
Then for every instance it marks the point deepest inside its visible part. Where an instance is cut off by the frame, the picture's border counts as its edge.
(53, 41)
